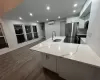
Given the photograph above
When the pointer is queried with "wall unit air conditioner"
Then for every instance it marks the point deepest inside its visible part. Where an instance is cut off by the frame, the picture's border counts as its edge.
(51, 22)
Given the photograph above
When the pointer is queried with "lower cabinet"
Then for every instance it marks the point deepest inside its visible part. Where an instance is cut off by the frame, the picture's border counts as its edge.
(49, 62)
(73, 70)
(70, 69)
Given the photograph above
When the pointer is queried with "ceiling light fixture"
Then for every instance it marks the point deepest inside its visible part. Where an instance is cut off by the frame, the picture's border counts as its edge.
(46, 19)
(58, 17)
(37, 21)
(20, 18)
(48, 8)
(30, 14)
(74, 11)
(75, 5)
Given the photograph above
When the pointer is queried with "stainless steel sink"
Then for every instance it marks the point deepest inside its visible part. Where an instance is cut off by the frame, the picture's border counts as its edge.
(57, 40)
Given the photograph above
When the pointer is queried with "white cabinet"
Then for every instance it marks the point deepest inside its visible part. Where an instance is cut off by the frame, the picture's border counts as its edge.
(49, 62)
(73, 70)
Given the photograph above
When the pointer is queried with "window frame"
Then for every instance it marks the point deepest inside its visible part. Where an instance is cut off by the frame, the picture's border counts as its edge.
(3, 35)
(19, 34)
(25, 32)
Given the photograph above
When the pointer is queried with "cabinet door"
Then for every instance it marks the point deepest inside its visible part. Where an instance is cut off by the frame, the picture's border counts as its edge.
(49, 62)
(73, 70)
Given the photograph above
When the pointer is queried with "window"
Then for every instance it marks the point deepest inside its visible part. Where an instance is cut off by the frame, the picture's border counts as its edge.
(3, 42)
(1, 34)
(35, 32)
(19, 33)
(25, 33)
(28, 32)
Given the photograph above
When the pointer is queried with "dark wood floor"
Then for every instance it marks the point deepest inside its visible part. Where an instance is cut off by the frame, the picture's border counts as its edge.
(24, 64)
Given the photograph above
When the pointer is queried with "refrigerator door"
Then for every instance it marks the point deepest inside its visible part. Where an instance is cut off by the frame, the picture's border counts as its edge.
(68, 29)
(70, 32)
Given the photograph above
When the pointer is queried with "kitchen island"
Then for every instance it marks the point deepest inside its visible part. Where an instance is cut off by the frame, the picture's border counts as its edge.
(70, 61)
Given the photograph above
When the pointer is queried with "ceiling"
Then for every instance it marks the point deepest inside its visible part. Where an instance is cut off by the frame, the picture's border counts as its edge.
(6, 5)
(63, 8)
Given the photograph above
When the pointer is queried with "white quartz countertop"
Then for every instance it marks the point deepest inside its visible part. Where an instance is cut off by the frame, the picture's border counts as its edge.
(78, 52)
(86, 55)
(83, 39)
(56, 48)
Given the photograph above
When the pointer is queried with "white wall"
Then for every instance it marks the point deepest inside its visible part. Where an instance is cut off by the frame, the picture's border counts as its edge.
(93, 38)
(50, 28)
(62, 28)
(11, 36)
(76, 19)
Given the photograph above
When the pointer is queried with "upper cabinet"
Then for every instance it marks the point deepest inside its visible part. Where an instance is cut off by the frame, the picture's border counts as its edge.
(86, 9)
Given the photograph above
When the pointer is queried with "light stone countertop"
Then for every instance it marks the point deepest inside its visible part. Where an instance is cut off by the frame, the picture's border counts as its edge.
(56, 48)
(78, 52)
(86, 55)
(83, 39)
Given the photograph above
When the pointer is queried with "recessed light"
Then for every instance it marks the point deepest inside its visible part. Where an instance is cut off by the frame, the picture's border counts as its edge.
(48, 8)
(30, 14)
(46, 19)
(74, 11)
(35, 24)
(37, 21)
(58, 17)
(75, 5)
(20, 18)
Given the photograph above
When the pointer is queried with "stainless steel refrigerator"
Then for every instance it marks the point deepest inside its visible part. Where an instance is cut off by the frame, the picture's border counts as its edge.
(71, 32)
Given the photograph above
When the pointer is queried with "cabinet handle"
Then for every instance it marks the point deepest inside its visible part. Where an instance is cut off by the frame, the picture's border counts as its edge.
(47, 57)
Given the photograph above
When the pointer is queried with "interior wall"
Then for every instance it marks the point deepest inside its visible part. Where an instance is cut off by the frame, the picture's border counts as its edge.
(93, 34)
(11, 36)
(76, 19)
(87, 17)
(62, 28)
(50, 28)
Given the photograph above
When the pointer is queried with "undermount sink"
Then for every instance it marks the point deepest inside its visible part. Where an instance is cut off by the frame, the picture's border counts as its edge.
(57, 40)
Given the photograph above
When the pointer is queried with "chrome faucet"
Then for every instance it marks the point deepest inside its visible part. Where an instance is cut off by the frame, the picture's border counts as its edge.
(53, 33)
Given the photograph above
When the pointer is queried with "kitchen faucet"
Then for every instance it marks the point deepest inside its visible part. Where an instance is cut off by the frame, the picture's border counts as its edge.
(53, 33)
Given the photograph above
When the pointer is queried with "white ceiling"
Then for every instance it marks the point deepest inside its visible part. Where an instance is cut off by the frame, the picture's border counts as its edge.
(63, 8)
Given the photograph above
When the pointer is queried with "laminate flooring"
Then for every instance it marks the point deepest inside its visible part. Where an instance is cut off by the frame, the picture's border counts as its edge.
(24, 64)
